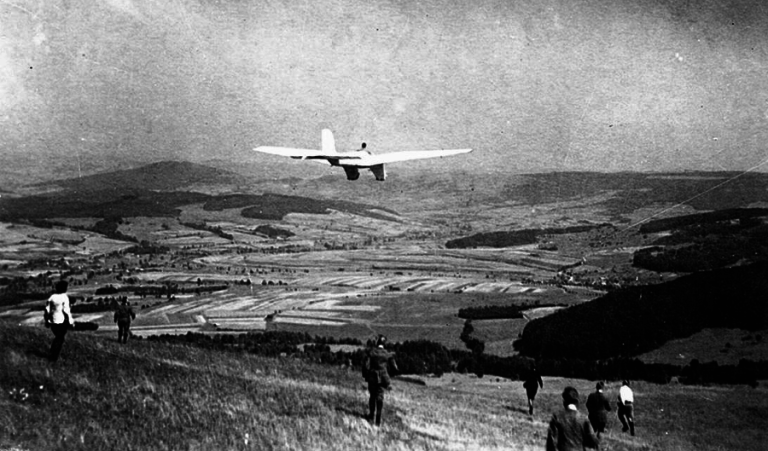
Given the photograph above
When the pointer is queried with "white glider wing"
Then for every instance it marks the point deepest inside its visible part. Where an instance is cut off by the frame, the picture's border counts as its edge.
(299, 154)
(372, 160)
(294, 153)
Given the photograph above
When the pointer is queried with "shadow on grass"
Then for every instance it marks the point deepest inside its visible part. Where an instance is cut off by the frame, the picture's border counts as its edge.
(523, 410)
(363, 415)
(411, 380)
(37, 352)
(391, 416)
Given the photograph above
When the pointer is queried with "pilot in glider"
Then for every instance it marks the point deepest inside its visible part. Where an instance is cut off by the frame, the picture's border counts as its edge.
(353, 161)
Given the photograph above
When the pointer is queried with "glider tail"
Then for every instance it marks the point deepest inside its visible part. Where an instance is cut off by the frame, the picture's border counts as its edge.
(329, 145)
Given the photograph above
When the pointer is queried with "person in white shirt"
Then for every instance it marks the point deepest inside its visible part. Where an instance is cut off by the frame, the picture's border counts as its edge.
(626, 408)
(58, 317)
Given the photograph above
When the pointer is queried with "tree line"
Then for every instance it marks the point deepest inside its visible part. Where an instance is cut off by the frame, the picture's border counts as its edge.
(429, 358)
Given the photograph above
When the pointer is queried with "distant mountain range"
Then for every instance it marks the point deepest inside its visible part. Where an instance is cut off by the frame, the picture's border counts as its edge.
(160, 190)
(404, 191)
(162, 176)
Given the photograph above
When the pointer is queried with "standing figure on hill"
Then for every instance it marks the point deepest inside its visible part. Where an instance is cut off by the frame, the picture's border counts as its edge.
(569, 430)
(58, 318)
(598, 408)
(375, 373)
(626, 408)
(123, 316)
(532, 383)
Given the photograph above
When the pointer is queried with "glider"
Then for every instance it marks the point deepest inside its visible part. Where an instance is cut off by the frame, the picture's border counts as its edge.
(353, 161)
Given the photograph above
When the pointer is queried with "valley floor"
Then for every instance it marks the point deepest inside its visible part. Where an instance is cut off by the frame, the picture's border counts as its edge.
(149, 395)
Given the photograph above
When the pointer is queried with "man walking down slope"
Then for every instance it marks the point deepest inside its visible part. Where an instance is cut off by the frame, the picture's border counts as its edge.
(598, 408)
(377, 376)
(532, 384)
(626, 408)
(123, 316)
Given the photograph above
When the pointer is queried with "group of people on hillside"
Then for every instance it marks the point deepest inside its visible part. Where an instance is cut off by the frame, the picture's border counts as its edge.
(568, 428)
(58, 317)
(598, 405)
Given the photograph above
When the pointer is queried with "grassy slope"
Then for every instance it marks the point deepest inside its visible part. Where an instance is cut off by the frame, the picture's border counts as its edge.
(145, 395)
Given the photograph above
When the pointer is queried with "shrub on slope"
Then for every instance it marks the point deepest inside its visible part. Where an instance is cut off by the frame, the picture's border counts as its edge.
(636, 320)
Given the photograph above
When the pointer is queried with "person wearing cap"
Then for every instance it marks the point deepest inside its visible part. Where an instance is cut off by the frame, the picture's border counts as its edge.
(569, 429)
(626, 408)
(375, 371)
(58, 317)
(598, 408)
(532, 383)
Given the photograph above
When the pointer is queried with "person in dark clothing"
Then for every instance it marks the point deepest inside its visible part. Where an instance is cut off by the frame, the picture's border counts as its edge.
(123, 316)
(598, 408)
(58, 317)
(375, 372)
(569, 429)
(532, 383)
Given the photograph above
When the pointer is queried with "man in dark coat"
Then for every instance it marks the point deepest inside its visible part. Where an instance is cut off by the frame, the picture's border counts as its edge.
(532, 383)
(375, 371)
(123, 316)
(598, 407)
(569, 429)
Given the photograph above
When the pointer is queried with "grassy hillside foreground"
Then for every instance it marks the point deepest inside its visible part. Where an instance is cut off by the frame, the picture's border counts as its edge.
(149, 395)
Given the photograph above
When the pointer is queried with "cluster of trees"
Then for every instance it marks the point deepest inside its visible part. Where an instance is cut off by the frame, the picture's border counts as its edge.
(167, 290)
(745, 217)
(515, 237)
(109, 228)
(20, 289)
(413, 357)
(273, 232)
(696, 257)
(700, 248)
(146, 248)
(425, 357)
(499, 311)
(216, 230)
(745, 372)
(706, 241)
(98, 305)
(276, 206)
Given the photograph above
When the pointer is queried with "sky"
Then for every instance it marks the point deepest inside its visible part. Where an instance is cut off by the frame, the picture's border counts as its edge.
(531, 85)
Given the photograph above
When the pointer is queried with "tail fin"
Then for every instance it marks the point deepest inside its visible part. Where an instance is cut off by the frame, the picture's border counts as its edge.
(329, 145)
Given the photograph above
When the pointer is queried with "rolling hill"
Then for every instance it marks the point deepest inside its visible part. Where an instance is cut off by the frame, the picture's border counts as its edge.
(635, 320)
(161, 176)
(159, 190)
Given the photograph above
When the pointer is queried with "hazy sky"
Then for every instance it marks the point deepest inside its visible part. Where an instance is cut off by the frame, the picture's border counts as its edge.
(531, 85)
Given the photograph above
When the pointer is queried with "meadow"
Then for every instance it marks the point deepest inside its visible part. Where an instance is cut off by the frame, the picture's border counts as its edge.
(150, 395)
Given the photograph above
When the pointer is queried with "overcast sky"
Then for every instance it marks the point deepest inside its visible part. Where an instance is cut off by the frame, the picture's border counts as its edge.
(531, 85)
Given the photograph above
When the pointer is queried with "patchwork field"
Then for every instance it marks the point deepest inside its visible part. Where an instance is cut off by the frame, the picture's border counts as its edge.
(329, 304)
(22, 243)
